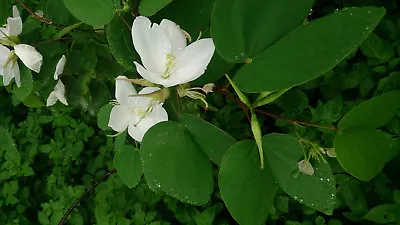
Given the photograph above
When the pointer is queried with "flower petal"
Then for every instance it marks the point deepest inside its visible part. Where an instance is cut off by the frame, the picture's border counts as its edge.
(193, 61)
(15, 11)
(29, 56)
(123, 89)
(148, 75)
(143, 102)
(175, 35)
(15, 73)
(59, 90)
(14, 26)
(151, 43)
(4, 54)
(119, 118)
(52, 99)
(60, 67)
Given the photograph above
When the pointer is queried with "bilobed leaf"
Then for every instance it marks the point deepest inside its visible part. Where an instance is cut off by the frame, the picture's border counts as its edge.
(242, 29)
(316, 191)
(174, 163)
(104, 116)
(120, 41)
(213, 141)
(247, 190)
(373, 113)
(363, 152)
(93, 12)
(26, 83)
(309, 51)
(151, 7)
(128, 165)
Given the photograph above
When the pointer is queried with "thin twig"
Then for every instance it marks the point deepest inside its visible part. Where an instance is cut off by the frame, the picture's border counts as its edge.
(42, 19)
(68, 212)
(240, 103)
(123, 19)
(292, 121)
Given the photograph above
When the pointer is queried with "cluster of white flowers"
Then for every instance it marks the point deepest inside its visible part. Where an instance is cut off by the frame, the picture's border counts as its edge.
(29, 56)
(167, 61)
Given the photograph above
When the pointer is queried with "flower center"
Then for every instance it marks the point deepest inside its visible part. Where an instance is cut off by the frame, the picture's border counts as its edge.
(171, 62)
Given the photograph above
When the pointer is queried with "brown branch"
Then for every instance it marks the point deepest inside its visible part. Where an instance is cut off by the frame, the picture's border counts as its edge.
(123, 19)
(42, 19)
(68, 212)
(292, 121)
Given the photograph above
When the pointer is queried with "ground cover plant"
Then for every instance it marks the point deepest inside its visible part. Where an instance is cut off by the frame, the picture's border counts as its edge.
(199, 112)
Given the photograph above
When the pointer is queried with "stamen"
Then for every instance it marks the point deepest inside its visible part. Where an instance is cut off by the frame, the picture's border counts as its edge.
(171, 63)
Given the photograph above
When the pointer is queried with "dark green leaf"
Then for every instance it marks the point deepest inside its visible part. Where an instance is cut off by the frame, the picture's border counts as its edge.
(247, 190)
(55, 11)
(128, 165)
(243, 29)
(305, 54)
(5, 11)
(151, 7)
(369, 114)
(174, 163)
(377, 48)
(363, 152)
(212, 140)
(26, 84)
(383, 214)
(104, 116)
(93, 12)
(317, 191)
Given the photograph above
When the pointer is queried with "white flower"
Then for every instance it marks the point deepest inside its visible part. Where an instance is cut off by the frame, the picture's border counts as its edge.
(13, 27)
(8, 61)
(166, 58)
(137, 114)
(57, 94)
(60, 67)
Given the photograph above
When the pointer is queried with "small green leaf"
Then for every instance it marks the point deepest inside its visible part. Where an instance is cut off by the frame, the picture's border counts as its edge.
(377, 48)
(93, 12)
(369, 114)
(309, 51)
(317, 191)
(7, 144)
(104, 116)
(213, 141)
(174, 163)
(66, 30)
(247, 190)
(151, 7)
(128, 165)
(363, 152)
(383, 214)
(26, 84)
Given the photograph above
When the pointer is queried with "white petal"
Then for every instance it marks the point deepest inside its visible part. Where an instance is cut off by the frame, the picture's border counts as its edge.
(60, 67)
(143, 102)
(15, 11)
(119, 118)
(29, 56)
(14, 26)
(11, 71)
(4, 54)
(193, 61)
(153, 77)
(59, 90)
(52, 99)
(123, 89)
(3, 32)
(151, 43)
(15, 73)
(175, 35)
(137, 132)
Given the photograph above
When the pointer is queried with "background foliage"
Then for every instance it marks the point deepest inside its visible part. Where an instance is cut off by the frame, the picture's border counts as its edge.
(49, 156)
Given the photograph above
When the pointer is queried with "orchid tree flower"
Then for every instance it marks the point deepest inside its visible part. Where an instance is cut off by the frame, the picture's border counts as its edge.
(133, 111)
(8, 58)
(60, 67)
(13, 27)
(166, 58)
(58, 94)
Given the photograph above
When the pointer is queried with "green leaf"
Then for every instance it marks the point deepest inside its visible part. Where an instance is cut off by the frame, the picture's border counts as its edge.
(213, 141)
(120, 42)
(174, 163)
(369, 114)
(309, 51)
(93, 12)
(377, 48)
(55, 11)
(151, 7)
(5, 11)
(128, 165)
(383, 214)
(7, 144)
(104, 116)
(363, 152)
(247, 190)
(33, 101)
(317, 191)
(26, 84)
(242, 29)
